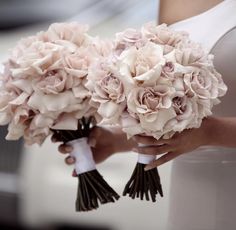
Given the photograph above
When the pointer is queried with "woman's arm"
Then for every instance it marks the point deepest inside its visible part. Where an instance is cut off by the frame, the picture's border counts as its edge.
(221, 131)
(172, 11)
(218, 131)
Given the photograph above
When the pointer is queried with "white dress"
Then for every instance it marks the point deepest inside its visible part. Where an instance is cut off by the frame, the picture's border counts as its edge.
(203, 183)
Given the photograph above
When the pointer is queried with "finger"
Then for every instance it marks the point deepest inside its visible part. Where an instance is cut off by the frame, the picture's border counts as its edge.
(55, 138)
(150, 140)
(163, 159)
(70, 160)
(65, 148)
(74, 174)
(153, 149)
(96, 132)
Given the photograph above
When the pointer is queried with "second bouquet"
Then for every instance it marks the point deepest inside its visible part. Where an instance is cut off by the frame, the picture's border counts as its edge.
(158, 83)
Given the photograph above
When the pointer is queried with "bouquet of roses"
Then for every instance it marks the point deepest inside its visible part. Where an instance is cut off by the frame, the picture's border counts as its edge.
(158, 82)
(152, 81)
(43, 92)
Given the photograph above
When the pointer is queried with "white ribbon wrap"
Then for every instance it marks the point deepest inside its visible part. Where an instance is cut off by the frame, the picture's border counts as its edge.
(83, 155)
(144, 158)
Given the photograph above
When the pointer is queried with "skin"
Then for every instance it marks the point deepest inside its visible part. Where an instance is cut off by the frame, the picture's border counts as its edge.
(217, 131)
(172, 11)
(104, 142)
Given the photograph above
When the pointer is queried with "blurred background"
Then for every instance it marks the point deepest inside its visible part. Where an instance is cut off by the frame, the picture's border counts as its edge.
(36, 187)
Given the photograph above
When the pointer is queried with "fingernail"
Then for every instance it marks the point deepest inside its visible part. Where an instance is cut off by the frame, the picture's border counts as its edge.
(92, 142)
(71, 160)
(69, 148)
(74, 173)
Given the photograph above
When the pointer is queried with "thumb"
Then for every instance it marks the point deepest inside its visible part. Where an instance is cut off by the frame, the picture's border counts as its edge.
(94, 135)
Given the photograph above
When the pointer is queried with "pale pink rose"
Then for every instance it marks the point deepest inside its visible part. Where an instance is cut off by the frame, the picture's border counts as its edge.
(15, 131)
(172, 71)
(56, 103)
(19, 85)
(168, 72)
(40, 121)
(192, 57)
(222, 88)
(128, 38)
(11, 96)
(130, 125)
(163, 35)
(37, 60)
(38, 129)
(80, 90)
(54, 82)
(36, 136)
(201, 83)
(77, 63)
(187, 113)
(107, 91)
(11, 85)
(21, 118)
(102, 47)
(22, 46)
(66, 121)
(142, 66)
(5, 108)
(23, 115)
(73, 32)
(152, 106)
(168, 67)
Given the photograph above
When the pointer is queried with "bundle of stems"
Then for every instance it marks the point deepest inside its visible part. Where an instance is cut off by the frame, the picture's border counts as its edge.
(144, 183)
(92, 188)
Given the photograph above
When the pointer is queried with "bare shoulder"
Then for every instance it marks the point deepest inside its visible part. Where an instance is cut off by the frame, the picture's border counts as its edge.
(172, 11)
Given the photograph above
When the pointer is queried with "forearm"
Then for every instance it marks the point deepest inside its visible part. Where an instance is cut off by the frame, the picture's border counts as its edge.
(218, 131)
(221, 131)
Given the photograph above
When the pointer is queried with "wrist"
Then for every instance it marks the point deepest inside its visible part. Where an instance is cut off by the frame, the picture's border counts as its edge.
(121, 143)
(209, 125)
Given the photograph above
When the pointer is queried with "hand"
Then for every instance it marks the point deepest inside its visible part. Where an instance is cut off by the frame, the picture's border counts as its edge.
(180, 143)
(101, 140)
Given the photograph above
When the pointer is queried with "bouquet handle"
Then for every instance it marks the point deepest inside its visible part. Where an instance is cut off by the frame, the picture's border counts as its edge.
(92, 187)
(83, 155)
(144, 183)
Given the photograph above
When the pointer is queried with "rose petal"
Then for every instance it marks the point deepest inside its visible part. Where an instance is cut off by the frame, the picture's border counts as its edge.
(162, 117)
(108, 109)
(20, 99)
(66, 122)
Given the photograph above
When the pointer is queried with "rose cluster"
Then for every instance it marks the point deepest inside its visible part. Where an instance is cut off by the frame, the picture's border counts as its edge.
(152, 81)
(43, 83)
(157, 82)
